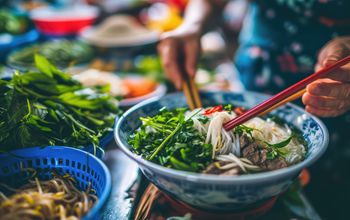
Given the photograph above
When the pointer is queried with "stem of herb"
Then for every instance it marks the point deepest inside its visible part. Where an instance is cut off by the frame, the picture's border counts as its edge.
(161, 146)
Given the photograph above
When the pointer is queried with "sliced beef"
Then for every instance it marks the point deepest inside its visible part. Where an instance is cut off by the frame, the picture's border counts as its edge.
(254, 153)
(275, 164)
(244, 140)
(257, 154)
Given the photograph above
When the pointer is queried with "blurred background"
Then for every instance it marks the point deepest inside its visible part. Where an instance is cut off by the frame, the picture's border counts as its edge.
(114, 42)
(113, 39)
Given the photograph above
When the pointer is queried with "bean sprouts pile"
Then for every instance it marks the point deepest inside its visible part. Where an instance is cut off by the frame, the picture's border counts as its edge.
(56, 199)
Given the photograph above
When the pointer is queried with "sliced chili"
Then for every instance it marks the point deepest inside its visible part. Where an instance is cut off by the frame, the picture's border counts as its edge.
(209, 111)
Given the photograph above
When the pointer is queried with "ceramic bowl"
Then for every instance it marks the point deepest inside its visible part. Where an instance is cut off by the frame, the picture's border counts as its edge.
(223, 192)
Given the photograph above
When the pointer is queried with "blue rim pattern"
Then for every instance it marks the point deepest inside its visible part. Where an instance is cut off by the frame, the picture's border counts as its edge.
(213, 178)
(222, 192)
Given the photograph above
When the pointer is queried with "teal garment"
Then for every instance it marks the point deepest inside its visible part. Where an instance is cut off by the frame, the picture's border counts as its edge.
(280, 41)
(279, 45)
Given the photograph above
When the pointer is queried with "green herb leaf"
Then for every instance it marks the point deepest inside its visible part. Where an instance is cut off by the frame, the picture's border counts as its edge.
(43, 65)
(280, 144)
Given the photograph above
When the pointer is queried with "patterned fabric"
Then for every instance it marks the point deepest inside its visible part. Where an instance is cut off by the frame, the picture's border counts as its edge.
(279, 44)
(288, 33)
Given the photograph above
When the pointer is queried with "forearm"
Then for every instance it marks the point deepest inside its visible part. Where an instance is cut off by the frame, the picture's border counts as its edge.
(203, 15)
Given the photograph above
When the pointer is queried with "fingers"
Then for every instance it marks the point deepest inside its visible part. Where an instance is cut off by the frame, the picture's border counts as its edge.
(169, 53)
(334, 51)
(192, 53)
(176, 51)
(324, 112)
(327, 98)
(324, 102)
(342, 74)
(329, 88)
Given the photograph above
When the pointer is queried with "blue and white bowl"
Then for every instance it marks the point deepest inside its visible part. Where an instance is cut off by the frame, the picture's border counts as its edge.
(223, 192)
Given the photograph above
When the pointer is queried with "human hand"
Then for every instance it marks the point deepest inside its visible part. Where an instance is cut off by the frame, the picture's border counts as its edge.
(179, 51)
(330, 97)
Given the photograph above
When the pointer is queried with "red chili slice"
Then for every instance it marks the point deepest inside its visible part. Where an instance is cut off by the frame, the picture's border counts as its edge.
(218, 108)
(239, 110)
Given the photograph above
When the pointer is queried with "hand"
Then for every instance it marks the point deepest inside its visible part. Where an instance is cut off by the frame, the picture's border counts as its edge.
(178, 48)
(330, 97)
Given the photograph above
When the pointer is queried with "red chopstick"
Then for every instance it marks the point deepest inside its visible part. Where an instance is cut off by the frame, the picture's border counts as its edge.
(284, 94)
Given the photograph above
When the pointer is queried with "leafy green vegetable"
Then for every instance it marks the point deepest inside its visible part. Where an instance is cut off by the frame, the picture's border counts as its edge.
(12, 23)
(48, 107)
(276, 150)
(228, 107)
(280, 144)
(171, 140)
(62, 53)
(150, 66)
(240, 129)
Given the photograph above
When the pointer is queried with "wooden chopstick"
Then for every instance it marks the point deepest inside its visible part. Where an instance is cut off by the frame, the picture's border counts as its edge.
(190, 89)
(187, 91)
(289, 99)
(257, 110)
(195, 93)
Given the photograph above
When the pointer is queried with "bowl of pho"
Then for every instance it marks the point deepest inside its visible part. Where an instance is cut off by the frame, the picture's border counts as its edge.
(189, 155)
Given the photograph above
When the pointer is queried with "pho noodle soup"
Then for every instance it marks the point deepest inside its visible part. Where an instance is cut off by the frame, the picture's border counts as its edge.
(196, 141)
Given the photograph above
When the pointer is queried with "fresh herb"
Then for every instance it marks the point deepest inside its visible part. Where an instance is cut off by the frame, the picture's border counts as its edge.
(203, 119)
(170, 140)
(228, 107)
(240, 129)
(61, 53)
(280, 144)
(275, 150)
(12, 23)
(48, 107)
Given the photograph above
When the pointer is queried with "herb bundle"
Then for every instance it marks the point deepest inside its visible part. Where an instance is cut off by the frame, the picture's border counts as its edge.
(171, 140)
(62, 53)
(48, 107)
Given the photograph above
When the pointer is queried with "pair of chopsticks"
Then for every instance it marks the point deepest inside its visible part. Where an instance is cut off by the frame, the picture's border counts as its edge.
(144, 207)
(190, 90)
(291, 93)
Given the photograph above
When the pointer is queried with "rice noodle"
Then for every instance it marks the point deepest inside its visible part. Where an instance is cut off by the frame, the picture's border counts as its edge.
(272, 133)
(234, 161)
(225, 143)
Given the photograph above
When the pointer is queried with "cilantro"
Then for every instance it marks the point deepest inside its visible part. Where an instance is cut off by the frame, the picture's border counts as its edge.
(228, 107)
(171, 141)
(240, 129)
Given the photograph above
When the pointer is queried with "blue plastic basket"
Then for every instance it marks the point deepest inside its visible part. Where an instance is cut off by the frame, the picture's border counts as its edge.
(83, 166)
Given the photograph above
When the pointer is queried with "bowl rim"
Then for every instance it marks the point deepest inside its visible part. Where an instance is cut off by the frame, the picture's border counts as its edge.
(211, 178)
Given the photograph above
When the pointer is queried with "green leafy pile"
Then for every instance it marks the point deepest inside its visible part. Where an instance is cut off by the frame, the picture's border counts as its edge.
(48, 107)
(11, 23)
(171, 141)
(62, 53)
